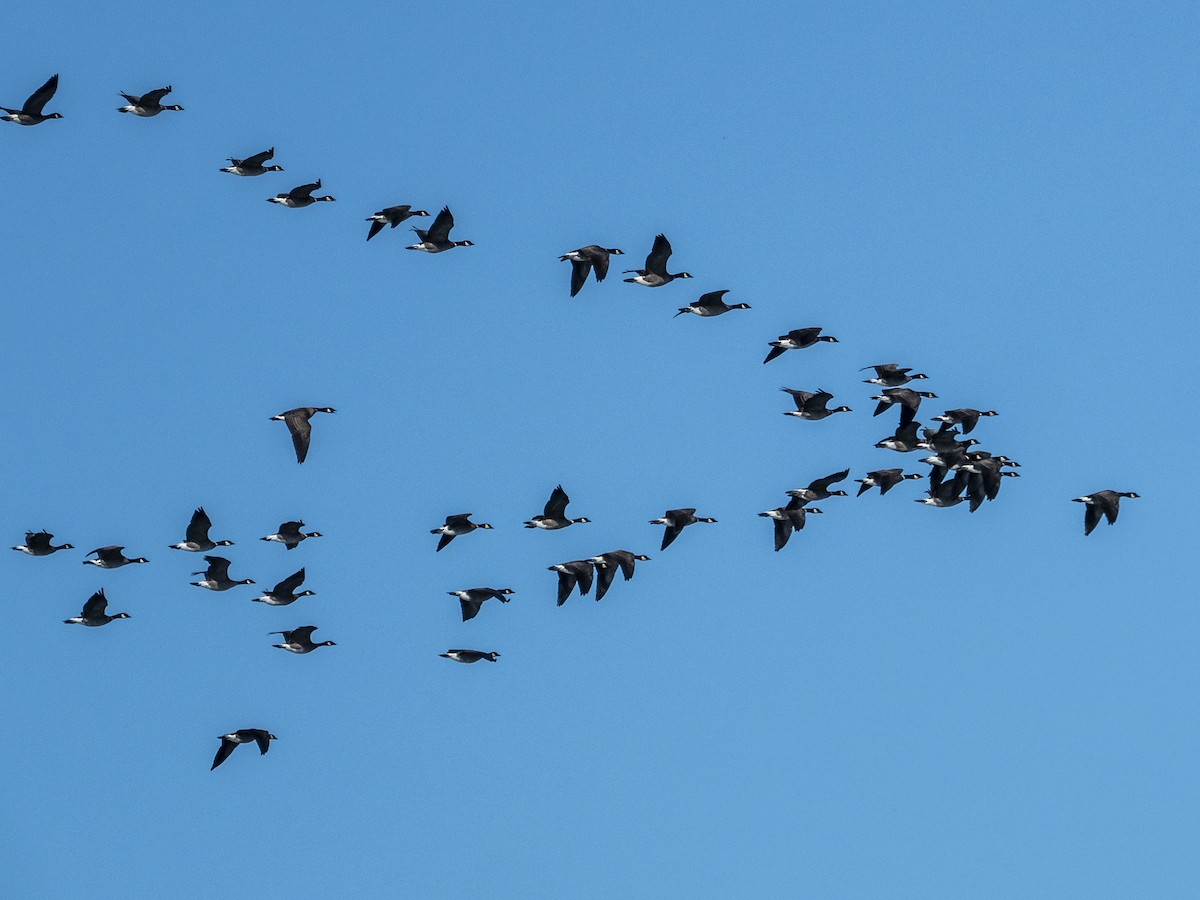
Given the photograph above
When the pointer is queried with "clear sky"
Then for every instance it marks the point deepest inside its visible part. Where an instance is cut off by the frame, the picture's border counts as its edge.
(905, 702)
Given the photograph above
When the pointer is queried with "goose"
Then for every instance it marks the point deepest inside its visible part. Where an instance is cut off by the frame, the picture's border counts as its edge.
(710, 305)
(903, 441)
(676, 520)
(197, 539)
(812, 406)
(819, 489)
(554, 516)
(148, 104)
(655, 274)
(788, 519)
(944, 463)
(290, 535)
(470, 656)
(909, 400)
(230, 742)
(592, 258)
(94, 614)
(797, 339)
(947, 493)
(884, 479)
(965, 417)
(1106, 504)
(301, 429)
(111, 557)
(944, 440)
(31, 112)
(252, 165)
(216, 576)
(37, 543)
(984, 480)
(473, 598)
(284, 593)
(576, 572)
(299, 640)
(436, 237)
(606, 568)
(456, 525)
(891, 375)
(392, 215)
(301, 196)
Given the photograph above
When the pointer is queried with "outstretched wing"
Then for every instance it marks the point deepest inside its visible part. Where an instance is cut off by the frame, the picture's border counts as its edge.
(98, 603)
(155, 96)
(289, 584)
(440, 229)
(301, 430)
(197, 530)
(304, 191)
(579, 274)
(566, 584)
(599, 258)
(39, 98)
(822, 484)
(227, 747)
(556, 506)
(656, 262)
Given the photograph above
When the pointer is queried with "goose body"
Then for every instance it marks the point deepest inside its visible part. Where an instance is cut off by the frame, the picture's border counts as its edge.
(231, 741)
(30, 112)
(1102, 504)
(676, 520)
(905, 439)
(607, 564)
(456, 526)
(797, 339)
(891, 375)
(812, 407)
(436, 238)
(554, 515)
(37, 543)
(393, 216)
(819, 489)
(947, 493)
(297, 421)
(252, 165)
(788, 519)
(216, 576)
(710, 305)
(472, 599)
(592, 258)
(111, 557)
(884, 479)
(909, 400)
(285, 593)
(148, 104)
(290, 535)
(197, 540)
(655, 274)
(966, 417)
(301, 196)
(299, 640)
(577, 572)
(470, 656)
(95, 612)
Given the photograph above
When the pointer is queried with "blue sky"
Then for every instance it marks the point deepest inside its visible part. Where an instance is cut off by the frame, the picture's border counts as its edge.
(904, 702)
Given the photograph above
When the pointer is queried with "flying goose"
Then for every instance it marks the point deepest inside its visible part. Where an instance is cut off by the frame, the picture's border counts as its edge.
(301, 429)
(884, 479)
(94, 614)
(797, 339)
(676, 520)
(456, 525)
(606, 568)
(965, 417)
(470, 656)
(284, 593)
(229, 743)
(592, 258)
(31, 112)
(909, 400)
(710, 305)
(290, 535)
(812, 406)
(436, 237)
(788, 519)
(216, 576)
(554, 515)
(655, 274)
(37, 543)
(149, 104)
(392, 215)
(904, 440)
(197, 539)
(111, 557)
(473, 598)
(299, 640)
(891, 375)
(1106, 504)
(819, 489)
(947, 493)
(301, 196)
(576, 572)
(252, 165)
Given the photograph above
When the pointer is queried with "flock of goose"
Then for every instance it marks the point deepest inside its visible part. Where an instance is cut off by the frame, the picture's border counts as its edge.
(957, 473)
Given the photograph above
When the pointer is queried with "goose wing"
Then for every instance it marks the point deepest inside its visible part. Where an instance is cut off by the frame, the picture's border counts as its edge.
(227, 747)
(98, 603)
(656, 262)
(440, 229)
(154, 96)
(556, 506)
(599, 258)
(822, 484)
(39, 98)
(301, 429)
(304, 191)
(257, 159)
(289, 584)
(197, 530)
(579, 273)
